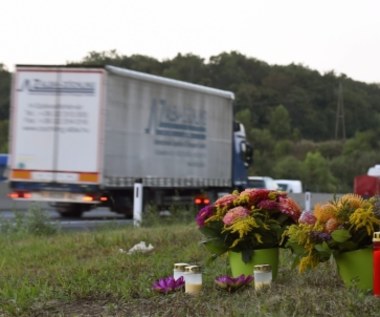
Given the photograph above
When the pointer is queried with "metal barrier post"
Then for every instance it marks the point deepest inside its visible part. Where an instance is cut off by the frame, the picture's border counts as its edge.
(137, 202)
(307, 201)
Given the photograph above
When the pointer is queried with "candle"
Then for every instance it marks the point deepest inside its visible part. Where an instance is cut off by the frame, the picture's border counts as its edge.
(193, 279)
(262, 275)
(376, 263)
(179, 270)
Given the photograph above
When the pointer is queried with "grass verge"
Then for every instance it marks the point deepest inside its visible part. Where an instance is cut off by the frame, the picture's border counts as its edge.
(89, 274)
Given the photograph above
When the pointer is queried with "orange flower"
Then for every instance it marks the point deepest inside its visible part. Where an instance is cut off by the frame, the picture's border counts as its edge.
(324, 212)
(331, 225)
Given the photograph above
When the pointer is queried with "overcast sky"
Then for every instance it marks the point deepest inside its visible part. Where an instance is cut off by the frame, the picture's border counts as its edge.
(324, 35)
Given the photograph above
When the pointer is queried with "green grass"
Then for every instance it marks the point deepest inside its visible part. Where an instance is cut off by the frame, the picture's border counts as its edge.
(86, 274)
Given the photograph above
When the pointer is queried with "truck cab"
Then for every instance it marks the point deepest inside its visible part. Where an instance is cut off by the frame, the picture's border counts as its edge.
(3, 166)
(242, 156)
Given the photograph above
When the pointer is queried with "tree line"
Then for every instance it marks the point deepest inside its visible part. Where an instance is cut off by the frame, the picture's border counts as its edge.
(321, 128)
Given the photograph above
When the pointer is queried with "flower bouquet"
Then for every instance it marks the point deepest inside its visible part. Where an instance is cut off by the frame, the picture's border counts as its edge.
(246, 221)
(344, 224)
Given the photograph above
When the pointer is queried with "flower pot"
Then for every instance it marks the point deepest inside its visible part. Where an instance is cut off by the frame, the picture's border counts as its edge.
(263, 256)
(356, 268)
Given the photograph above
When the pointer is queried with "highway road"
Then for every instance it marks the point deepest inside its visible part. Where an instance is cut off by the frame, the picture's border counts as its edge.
(95, 218)
(103, 216)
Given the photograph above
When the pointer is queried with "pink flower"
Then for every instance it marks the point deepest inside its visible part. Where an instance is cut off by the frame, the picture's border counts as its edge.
(225, 201)
(235, 214)
(289, 207)
(268, 204)
(307, 217)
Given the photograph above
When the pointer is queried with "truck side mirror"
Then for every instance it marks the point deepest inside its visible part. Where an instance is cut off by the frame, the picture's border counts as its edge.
(247, 153)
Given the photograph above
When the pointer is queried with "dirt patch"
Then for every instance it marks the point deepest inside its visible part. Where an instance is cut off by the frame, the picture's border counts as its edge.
(107, 308)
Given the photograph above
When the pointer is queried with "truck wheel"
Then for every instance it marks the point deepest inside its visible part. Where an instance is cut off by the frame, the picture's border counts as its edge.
(122, 205)
(70, 210)
(70, 214)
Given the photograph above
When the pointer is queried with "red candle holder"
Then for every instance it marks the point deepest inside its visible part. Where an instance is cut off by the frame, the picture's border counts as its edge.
(376, 263)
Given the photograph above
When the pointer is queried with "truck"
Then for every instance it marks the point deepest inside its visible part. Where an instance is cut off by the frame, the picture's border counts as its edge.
(368, 185)
(83, 136)
(4, 157)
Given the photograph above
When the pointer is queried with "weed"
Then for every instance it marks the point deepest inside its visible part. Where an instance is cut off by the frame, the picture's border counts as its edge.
(35, 221)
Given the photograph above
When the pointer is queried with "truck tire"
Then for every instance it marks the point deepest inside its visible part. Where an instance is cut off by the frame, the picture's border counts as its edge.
(122, 205)
(71, 210)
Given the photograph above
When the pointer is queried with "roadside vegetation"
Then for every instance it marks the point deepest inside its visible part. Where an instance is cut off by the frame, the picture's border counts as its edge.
(290, 113)
(47, 272)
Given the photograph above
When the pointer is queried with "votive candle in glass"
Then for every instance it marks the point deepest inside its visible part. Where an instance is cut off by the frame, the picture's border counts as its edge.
(193, 279)
(262, 275)
(179, 270)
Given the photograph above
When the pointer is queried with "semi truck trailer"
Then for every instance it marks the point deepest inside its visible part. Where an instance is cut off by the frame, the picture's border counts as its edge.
(81, 137)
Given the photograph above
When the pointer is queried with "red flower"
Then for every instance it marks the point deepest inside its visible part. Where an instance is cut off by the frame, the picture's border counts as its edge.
(254, 195)
(268, 204)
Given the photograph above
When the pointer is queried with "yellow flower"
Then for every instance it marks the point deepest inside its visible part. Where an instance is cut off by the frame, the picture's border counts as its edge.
(353, 200)
(307, 262)
(364, 218)
(243, 227)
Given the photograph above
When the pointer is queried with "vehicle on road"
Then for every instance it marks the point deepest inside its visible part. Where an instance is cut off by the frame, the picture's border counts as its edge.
(262, 182)
(368, 185)
(84, 136)
(4, 158)
(290, 185)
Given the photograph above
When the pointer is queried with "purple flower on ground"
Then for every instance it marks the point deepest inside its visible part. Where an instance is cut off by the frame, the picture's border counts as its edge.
(203, 215)
(233, 283)
(168, 284)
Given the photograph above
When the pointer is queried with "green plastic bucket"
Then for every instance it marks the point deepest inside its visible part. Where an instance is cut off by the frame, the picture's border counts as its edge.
(356, 268)
(263, 256)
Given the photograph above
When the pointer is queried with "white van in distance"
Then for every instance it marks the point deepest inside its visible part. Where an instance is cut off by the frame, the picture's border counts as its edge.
(262, 182)
(289, 185)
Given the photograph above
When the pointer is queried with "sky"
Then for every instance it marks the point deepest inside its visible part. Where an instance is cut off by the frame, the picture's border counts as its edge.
(325, 35)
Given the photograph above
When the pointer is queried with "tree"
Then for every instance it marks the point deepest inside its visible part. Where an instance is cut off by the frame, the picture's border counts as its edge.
(188, 67)
(279, 123)
(4, 136)
(317, 176)
(5, 88)
(288, 167)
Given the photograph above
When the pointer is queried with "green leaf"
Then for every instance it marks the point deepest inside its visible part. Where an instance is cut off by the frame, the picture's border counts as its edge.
(341, 235)
(324, 251)
(215, 246)
(322, 247)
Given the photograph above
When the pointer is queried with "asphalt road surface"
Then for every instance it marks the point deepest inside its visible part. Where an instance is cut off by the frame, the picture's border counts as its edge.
(97, 218)
(104, 217)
